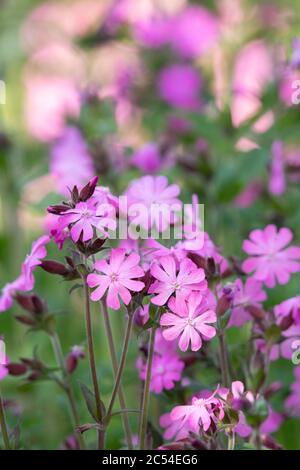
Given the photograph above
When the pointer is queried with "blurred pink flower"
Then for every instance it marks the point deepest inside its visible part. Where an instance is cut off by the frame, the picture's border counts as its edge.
(191, 323)
(156, 199)
(3, 369)
(251, 293)
(71, 163)
(177, 429)
(271, 262)
(289, 87)
(195, 31)
(250, 194)
(292, 403)
(181, 282)
(180, 86)
(119, 278)
(153, 32)
(287, 307)
(252, 72)
(48, 102)
(277, 177)
(166, 370)
(148, 158)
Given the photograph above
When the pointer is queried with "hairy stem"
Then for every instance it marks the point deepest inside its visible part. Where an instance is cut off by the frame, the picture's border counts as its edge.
(121, 365)
(3, 425)
(231, 440)
(114, 361)
(67, 385)
(89, 335)
(146, 394)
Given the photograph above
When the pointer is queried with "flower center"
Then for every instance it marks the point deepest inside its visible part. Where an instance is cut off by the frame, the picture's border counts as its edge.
(114, 277)
(190, 321)
(160, 370)
(86, 214)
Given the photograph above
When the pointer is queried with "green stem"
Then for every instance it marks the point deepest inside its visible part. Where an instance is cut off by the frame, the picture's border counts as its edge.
(121, 365)
(146, 394)
(67, 385)
(3, 425)
(114, 361)
(223, 359)
(231, 440)
(89, 335)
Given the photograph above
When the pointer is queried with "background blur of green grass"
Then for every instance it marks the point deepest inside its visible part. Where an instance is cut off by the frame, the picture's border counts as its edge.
(45, 421)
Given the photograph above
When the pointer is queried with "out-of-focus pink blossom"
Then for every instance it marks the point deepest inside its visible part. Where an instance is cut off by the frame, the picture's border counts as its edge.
(292, 403)
(195, 31)
(277, 177)
(181, 281)
(3, 369)
(251, 293)
(154, 201)
(250, 194)
(190, 324)
(270, 261)
(289, 87)
(295, 59)
(252, 72)
(180, 86)
(71, 163)
(153, 32)
(148, 158)
(48, 103)
(118, 278)
(289, 307)
(166, 370)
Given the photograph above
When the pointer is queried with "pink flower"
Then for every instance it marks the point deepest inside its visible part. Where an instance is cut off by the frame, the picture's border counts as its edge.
(3, 369)
(292, 403)
(85, 217)
(244, 295)
(277, 177)
(177, 429)
(25, 282)
(191, 323)
(154, 201)
(270, 262)
(166, 370)
(148, 158)
(170, 280)
(153, 32)
(71, 163)
(118, 278)
(289, 306)
(180, 86)
(196, 31)
(49, 101)
(198, 414)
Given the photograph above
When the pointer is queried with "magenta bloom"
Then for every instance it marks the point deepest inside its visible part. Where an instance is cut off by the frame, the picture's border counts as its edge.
(191, 323)
(71, 164)
(289, 306)
(277, 176)
(148, 158)
(292, 403)
(154, 201)
(25, 282)
(198, 414)
(166, 370)
(3, 369)
(85, 217)
(180, 282)
(180, 86)
(174, 428)
(270, 261)
(251, 293)
(195, 31)
(118, 278)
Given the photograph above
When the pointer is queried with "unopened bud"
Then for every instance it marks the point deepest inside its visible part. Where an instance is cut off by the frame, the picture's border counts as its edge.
(89, 189)
(16, 369)
(286, 322)
(57, 209)
(53, 267)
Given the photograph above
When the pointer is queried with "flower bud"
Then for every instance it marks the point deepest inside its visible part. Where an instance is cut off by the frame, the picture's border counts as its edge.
(76, 353)
(16, 369)
(53, 267)
(89, 189)
(58, 209)
(286, 322)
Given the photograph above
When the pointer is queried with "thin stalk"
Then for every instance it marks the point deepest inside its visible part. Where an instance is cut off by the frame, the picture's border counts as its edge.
(89, 335)
(114, 361)
(67, 386)
(146, 394)
(3, 425)
(121, 365)
(231, 440)
(223, 359)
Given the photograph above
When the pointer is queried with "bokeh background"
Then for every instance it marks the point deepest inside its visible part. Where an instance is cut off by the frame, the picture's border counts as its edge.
(124, 88)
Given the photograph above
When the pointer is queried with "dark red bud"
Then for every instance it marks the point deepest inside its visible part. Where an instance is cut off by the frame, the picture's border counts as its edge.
(75, 195)
(53, 267)
(286, 322)
(35, 375)
(224, 303)
(88, 190)
(57, 209)
(256, 312)
(211, 266)
(71, 363)
(96, 246)
(16, 369)
(199, 261)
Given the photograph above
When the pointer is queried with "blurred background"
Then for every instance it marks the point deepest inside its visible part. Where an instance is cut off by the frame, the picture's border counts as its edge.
(198, 91)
